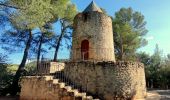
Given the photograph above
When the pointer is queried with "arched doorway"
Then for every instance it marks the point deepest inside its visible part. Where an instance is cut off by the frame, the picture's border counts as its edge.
(85, 49)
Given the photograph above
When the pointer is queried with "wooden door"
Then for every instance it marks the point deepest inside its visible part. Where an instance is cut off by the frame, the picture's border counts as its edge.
(85, 50)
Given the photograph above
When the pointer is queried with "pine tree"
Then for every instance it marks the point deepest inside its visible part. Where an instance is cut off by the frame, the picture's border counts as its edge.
(30, 15)
(129, 29)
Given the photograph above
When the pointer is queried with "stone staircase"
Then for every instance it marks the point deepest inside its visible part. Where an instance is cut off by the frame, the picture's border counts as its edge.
(69, 90)
(49, 88)
(65, 83)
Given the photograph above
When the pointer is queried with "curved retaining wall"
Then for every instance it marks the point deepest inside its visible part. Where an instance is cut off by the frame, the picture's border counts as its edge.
(109, 80)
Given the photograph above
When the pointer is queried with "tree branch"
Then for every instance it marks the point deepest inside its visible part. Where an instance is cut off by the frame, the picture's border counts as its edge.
(9, 6)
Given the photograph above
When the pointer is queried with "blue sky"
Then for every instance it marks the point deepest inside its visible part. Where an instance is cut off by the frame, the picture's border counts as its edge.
(156, 12)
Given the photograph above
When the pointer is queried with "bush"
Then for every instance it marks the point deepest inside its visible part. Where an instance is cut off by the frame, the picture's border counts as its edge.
(5, 77)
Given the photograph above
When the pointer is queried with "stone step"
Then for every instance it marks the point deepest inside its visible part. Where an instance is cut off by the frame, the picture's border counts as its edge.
(78, 98)
(88, 98)
(80, 94)
(68, 88)
(71, 90)
(62, 85)
(55, 81)
(47, 78)
(75, 91)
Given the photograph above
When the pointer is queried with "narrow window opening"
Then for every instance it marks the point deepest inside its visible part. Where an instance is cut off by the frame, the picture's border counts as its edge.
(85, 17)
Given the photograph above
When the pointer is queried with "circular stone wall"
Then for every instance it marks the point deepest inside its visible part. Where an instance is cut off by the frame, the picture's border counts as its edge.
(109, 80)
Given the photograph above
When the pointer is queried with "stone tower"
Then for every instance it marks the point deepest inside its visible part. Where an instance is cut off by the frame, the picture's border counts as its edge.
(93, 36)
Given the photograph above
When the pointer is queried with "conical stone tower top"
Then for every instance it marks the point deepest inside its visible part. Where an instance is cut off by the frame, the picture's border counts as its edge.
(92, 7)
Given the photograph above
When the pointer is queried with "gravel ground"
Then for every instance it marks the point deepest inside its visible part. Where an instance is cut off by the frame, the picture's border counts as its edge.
(9, 98)
(151, 95)
(158, 95)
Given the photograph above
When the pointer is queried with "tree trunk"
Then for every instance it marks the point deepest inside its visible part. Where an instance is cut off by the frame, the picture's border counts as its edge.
(63, 28)
(121, 48)
(15, 86)
(58, 46)
(39, 51)
(122, 53)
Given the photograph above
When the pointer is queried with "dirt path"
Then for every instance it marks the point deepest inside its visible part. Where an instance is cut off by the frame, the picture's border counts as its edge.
(9, 98)
(158, 95)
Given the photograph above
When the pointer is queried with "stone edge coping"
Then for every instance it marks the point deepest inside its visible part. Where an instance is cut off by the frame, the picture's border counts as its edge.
(112, 63)
(45, 77)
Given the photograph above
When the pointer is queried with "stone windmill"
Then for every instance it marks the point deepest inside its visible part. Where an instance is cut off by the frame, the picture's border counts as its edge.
(93, 36)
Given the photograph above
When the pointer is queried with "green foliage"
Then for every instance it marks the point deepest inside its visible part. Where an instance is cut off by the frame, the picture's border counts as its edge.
(5, 77)
(129, 29)
(70, 13)
(31, 68)
(164, 77)
(7, 73)
(12, 68)
(134, 18)
(144, 58)
(59, 7)
(157, 69)
(36, 13)
(29, 15)
(66, 24)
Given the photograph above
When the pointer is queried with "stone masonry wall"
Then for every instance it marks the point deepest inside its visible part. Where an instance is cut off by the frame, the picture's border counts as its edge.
(48, 67)
(44, 88)
(109, 80)
(95, 27)
(39, 88)
(47, 88)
